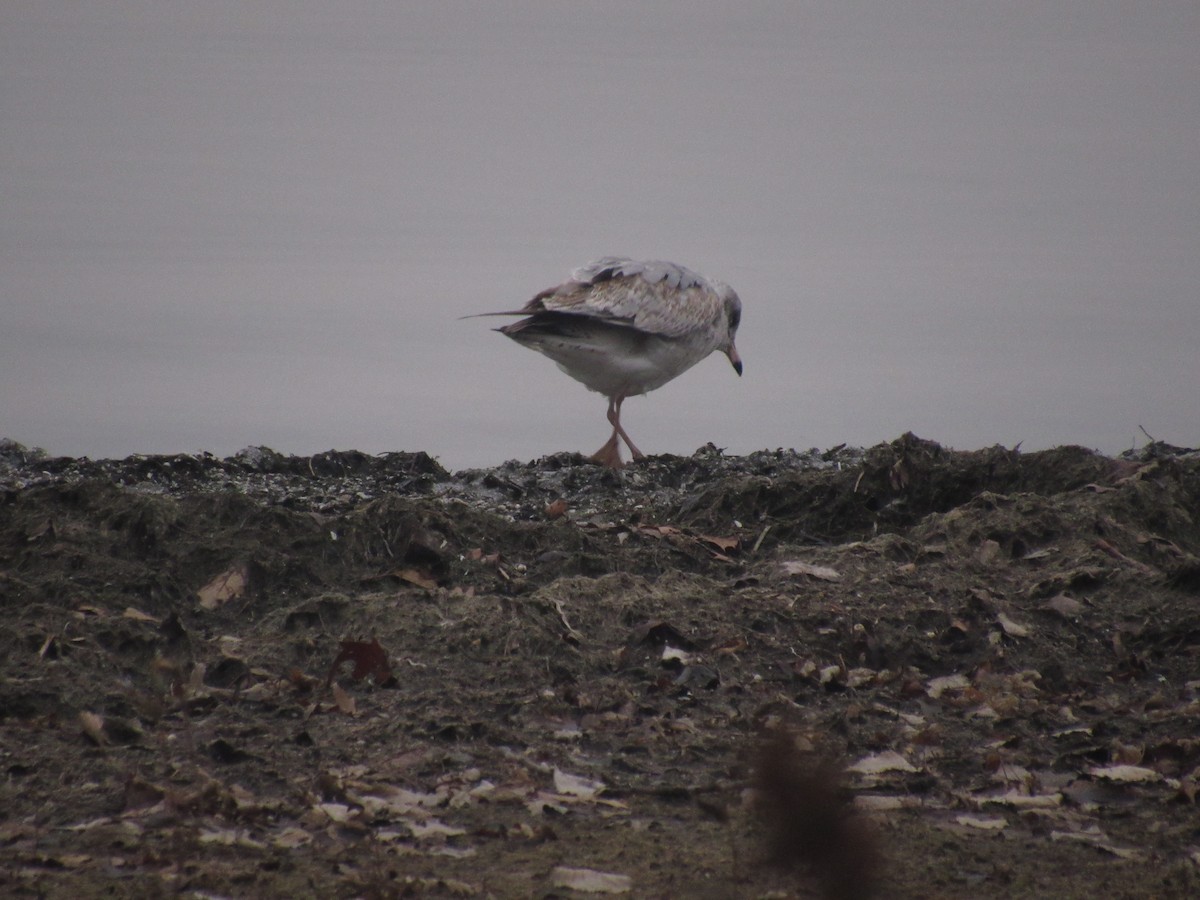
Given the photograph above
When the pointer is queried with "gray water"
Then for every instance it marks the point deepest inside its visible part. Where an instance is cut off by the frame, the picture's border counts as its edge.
(228, 224)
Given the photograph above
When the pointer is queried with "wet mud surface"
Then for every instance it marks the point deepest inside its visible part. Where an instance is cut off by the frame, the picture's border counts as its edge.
(903, 672)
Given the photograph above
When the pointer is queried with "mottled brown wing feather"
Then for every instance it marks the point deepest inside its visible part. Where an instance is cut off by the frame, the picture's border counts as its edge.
(629, 299)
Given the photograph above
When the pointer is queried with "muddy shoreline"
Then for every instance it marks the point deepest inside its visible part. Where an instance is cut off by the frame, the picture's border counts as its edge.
(364, 676)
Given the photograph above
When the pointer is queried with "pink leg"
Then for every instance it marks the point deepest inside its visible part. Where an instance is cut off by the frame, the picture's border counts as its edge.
(610, 454)
(614, 416)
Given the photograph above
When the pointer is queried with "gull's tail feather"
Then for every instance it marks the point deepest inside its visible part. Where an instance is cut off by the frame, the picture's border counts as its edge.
(507, 312)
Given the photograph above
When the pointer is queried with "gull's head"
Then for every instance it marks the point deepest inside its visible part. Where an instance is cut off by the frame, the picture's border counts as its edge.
(731, 307)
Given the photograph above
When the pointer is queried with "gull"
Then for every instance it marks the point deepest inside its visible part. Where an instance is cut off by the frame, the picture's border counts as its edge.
(624, 327)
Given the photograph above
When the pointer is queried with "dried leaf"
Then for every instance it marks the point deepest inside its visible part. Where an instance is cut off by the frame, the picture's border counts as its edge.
(291, 838)
(1128, 754)
(1098, 839)
(1102, 544)
(138, 616)
(195, 680)
(888, 761)
(724, 544)
(983, 823)
(830, 674)
(590, 881)
(433, 830)
(417, 577)
(1019, 800)
(989, 551)
(733, 645)
(225, 587)
(543, 802)
(823, 573)
(1011, 628)
(93, 727)
(1188, 788)
(344, 701)
(100, 822)
(396, 802)
(660, 530)
(860, 676)
(233, 837)
(337, 812)
(939, 686)
(575, 785)
(369, 658)
(1067, 607)
(70, 860)
(1126, 774)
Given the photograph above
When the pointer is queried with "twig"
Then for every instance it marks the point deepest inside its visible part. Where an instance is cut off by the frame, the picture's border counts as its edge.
(758, 543)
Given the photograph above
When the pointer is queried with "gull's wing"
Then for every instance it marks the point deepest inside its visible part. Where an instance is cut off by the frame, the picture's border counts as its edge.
(652, 296)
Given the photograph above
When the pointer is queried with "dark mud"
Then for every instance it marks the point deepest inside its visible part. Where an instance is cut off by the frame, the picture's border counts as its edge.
(991, 660)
